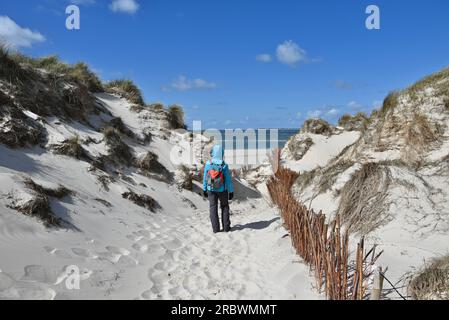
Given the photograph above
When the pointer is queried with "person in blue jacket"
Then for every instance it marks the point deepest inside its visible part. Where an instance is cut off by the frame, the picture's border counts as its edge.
(217, 186)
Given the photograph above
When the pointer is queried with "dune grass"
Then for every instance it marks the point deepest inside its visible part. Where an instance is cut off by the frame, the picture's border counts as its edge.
(432, 283)
(176, 117)
(79, 72)
(127, 89)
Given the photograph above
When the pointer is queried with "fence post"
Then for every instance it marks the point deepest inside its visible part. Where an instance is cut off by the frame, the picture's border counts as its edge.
(377, 285)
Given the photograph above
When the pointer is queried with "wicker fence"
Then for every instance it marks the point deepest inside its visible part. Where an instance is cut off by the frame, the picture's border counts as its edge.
(323, 246)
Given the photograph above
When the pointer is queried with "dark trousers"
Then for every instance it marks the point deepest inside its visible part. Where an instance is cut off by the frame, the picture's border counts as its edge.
(223, 197)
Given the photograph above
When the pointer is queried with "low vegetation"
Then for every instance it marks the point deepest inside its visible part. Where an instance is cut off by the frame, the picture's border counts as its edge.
(119, 152)
(142, 200)
(362, 204)
(184, 178)
(317, 126)
(176, 117)
(126, 89)
(390, 102)
(117, 123)
(16, 129)
(39, 206)
(78, 72)
(357, 122)
(72, 148)
(149, 165)
(59, 193)
(432, 283)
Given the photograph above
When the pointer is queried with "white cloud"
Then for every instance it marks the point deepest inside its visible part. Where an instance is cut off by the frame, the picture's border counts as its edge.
(332, 112)
(126, 6)
(83, 2)
(354, 105)
(182, 83)
(325, 112)
(12, 34)
(342, 84)
(314, 114)
(289, 53)
(264, 57)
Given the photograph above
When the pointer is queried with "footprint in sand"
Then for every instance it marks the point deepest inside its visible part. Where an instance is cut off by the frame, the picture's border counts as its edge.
(174, 244)
(58, 253)
(147, 234)
(6, 281)
(28, 291)
(84, 253)
(118, 250)
(134, 237)
(38, 273)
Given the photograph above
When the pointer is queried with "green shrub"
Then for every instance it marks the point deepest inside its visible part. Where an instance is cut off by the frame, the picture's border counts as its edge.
(126, 89)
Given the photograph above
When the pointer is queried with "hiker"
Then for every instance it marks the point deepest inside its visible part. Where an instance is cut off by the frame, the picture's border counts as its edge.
(217, 186)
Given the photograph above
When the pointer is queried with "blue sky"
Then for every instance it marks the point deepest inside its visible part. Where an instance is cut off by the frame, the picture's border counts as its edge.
(240, 64)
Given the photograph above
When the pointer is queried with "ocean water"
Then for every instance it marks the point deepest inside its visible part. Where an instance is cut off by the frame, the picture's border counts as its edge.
(260, 138)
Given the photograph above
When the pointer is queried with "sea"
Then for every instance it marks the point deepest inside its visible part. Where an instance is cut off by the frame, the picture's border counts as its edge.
(259, 138)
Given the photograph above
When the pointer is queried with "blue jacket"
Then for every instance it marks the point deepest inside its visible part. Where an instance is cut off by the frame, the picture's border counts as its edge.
(217, 155)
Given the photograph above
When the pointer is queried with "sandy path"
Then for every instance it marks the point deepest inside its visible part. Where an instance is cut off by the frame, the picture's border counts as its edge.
(172, 257)
(247, 263)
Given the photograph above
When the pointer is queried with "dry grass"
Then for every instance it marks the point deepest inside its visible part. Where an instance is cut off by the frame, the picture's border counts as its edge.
(119, 152)
(323, 246)
(11, 70)
(357, 122)
(16, 129)
(184, 178)
(432, 283)
(329, 175)
(142, 200)
(72, 148)
(362, 203)
(446, 104)
(126, 89)
(150, 165)
(299, 147)
(390, 103)
(117, 123)
(39, 206)
(176, 117)
(79, 72)
(317, 126)
(59, 193)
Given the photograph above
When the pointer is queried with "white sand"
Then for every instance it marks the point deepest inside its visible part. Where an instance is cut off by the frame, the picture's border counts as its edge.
(126, 252)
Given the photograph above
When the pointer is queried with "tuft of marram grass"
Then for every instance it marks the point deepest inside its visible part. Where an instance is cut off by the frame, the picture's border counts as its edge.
(390, 102)
(11, 70)
(184, 178)
(72, 148)
(119, 152)
(142, 200)
(58, 193)
(39, 206)
(355, 122)
(126, 89)
(432, 283)
(117, 123)
(150, 165)
(79, 72)
(176, 117)
(363, 198)
(317, 126)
